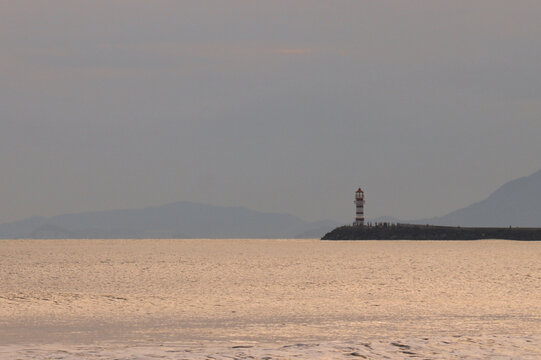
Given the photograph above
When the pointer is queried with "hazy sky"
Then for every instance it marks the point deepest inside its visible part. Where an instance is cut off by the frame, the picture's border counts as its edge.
(283, 106)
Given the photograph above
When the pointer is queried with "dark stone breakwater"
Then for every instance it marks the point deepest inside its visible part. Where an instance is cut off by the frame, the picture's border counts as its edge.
(430, 232)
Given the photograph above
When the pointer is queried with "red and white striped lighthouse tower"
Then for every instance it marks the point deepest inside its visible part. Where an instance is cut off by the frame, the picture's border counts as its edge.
(359, 208)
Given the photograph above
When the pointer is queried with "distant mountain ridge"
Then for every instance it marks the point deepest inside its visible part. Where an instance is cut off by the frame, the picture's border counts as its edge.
(176, 220)
(516, 203)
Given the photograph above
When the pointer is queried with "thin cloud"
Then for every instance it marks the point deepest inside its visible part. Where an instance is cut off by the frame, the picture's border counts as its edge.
(294, 51)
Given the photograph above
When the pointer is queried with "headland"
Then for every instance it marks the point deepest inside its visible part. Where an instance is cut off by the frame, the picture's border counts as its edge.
(387, 231)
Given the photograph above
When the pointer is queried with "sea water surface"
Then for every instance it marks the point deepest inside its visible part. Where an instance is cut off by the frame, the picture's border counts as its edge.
(269, 299)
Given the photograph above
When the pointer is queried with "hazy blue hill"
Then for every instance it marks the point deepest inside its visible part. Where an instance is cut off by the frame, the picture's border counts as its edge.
(516, 203)
(16, 228)
(49, 231)
(180, 219)
(317, 229)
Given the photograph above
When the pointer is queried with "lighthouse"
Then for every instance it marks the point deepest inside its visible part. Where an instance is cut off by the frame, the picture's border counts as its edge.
(359, 208)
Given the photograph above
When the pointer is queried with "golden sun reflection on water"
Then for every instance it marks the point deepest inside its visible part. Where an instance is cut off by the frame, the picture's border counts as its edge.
(265, 290)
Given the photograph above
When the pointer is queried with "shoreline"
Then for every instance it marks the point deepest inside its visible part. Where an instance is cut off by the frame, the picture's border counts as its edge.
(441, 347)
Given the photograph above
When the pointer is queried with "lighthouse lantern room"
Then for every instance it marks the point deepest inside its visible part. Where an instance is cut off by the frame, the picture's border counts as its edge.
(359, 208)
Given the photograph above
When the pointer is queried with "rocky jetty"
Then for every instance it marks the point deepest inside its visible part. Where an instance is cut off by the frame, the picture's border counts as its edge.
(430, 232)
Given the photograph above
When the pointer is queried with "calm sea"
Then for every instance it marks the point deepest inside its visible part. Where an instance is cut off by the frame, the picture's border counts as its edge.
(203, 292)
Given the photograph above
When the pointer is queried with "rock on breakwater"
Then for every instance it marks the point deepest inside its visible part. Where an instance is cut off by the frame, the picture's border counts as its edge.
(430, 232)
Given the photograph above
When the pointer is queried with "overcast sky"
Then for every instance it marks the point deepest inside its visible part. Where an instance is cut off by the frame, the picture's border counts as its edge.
(283, 106)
